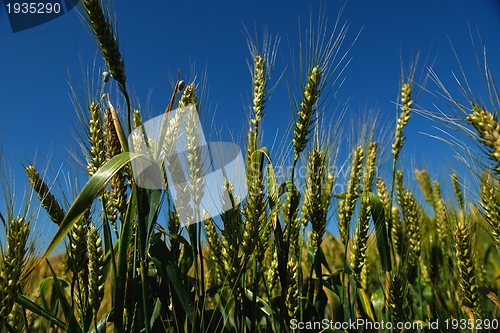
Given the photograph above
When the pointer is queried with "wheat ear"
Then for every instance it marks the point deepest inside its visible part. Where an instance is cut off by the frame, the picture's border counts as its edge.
(48, 201)
(348, 204)
(468, 286)
(12, 266)
(307, 109)
(96, 270)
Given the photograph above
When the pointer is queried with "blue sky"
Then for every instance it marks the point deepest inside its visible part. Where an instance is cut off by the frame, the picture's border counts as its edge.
(158, 37)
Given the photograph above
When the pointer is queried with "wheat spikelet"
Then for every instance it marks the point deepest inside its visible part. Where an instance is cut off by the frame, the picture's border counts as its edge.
(403, 119)
(259, 87)
(359, 247)
(257, 227)
(395, 298)
(195, 161)
(457, 188)
(214, 244)
(383, 194)
(272, 272)
(188, 97)
(48, 201)
(411, 215)
(96, 270)
(400, 189)
(317, 197)
(16, 318)
(370, 167)
(488, 129)
(117, 198)
(468, 286)
(78, 257)
(490, 202)
(425, 185)
(293, 288)
(441, 215)
(12, 264)
(398, 233)
(347, 205)
(106, 37)
(97, 153)
(138, 136)
(231, 239)
(307, 108)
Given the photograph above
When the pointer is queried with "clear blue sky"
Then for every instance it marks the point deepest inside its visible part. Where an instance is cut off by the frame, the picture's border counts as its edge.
(158, 37)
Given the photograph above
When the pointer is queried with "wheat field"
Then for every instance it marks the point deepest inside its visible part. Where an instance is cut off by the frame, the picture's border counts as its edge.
(405, 258)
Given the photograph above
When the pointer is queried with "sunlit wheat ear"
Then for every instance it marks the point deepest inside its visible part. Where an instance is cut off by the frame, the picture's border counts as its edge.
(306, 112)
(319, 185)
(48, 201)
(488, 130)
(396, 296)
(411, 216)
(271, 274)
(195, 154)
(465, 262)
(115, 197)
(102, 27)
(78, 255)
(256, 229)
(425, 184)
(12, 265)
(214, 244)
(400, 189)
(96, 270)
(490, 202)
(457, 189)
(398, 233)
(259, 90)
(139, 138)
(97, 153)
(404, 117)
(360, 241)
(383, 194)
(188, 97)
(113, 148)
(441, 214)
(348, 204)
(370, 166)
(231, 237)
(16, 318)
(293, 288)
